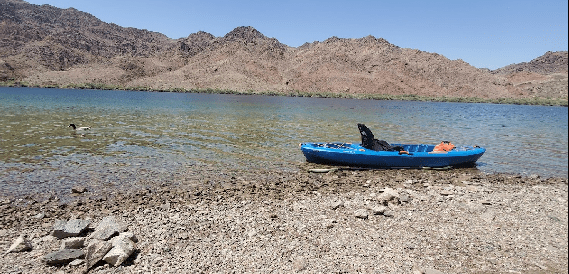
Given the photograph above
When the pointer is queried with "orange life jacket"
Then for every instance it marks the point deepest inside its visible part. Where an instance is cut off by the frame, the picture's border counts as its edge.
(444, 146)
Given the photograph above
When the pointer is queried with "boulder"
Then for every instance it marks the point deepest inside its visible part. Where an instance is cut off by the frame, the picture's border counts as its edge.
(404, 198)
(107, 228)
(122, 249)
(96, 251)
(64, 229)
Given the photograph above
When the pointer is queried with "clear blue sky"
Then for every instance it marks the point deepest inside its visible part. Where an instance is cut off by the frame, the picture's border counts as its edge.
(486, 34)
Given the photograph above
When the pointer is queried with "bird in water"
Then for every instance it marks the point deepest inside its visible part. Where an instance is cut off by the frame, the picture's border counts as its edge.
(79, 128)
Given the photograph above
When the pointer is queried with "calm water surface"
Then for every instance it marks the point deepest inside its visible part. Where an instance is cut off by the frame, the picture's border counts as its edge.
(158, 134)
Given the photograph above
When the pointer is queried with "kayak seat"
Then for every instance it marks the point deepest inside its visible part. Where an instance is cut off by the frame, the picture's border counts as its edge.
(369, 142)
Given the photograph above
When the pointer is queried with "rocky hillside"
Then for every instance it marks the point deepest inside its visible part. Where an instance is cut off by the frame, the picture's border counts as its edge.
(545, 76)
(549, 63)
(44, 45)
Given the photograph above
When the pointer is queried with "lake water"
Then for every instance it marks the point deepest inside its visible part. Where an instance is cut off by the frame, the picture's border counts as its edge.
(159, 134)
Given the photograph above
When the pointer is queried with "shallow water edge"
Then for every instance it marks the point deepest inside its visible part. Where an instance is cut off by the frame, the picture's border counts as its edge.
(410, 97)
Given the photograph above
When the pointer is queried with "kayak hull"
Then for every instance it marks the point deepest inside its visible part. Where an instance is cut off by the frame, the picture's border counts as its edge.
(418, 156)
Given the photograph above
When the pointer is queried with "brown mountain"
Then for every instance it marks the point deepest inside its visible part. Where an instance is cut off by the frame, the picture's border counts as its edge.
(44, 45)
(545, 76)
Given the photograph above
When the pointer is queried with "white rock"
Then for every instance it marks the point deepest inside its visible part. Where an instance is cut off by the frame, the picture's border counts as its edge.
(361, 213)
(378, 210)
(125, 235)
(388, 213)
(108, 227)
(120, 252)
(337, 205)
(389, 195)
(21, 244)
(76, 262)
(96, 251)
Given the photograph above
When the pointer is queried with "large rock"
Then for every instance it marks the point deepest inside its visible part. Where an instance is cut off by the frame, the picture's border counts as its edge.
(107, 228)
(63, 229)
(63, 256)
(122, 249)
(21, 244)
(96, 251)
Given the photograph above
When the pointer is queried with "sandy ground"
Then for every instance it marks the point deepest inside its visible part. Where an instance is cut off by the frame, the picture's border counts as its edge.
(346, 221)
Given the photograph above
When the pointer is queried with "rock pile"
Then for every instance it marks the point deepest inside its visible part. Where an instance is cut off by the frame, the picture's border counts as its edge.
(109, 242)
(388, 199)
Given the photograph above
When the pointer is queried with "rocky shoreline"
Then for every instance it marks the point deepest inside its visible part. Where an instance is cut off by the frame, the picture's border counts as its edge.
(345, 221)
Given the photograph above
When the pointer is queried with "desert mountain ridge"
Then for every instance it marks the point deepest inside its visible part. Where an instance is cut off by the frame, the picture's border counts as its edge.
(44, 45)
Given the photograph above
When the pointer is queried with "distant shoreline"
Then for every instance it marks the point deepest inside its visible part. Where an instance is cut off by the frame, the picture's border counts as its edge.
(407, 97)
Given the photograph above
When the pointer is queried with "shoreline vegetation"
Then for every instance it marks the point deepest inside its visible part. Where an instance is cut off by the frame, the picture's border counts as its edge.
(296, 93)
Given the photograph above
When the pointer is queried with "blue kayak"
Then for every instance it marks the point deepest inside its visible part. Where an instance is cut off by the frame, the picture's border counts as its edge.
(412, 156)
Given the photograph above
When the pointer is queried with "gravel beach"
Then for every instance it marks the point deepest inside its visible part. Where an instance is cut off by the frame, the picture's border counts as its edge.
(295, 221)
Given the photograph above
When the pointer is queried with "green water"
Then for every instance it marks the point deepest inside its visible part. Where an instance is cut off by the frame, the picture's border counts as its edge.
(138, 136)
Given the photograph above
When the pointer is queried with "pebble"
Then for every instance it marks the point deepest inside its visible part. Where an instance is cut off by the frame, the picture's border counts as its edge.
(72, 243)
(78, 189)
(378, 210)
(433, 271)
(446, 192)
(337, 205)
(361, 213)
(389, 213)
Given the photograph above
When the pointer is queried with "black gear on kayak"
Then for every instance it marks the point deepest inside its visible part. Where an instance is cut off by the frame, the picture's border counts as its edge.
(369, 142)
